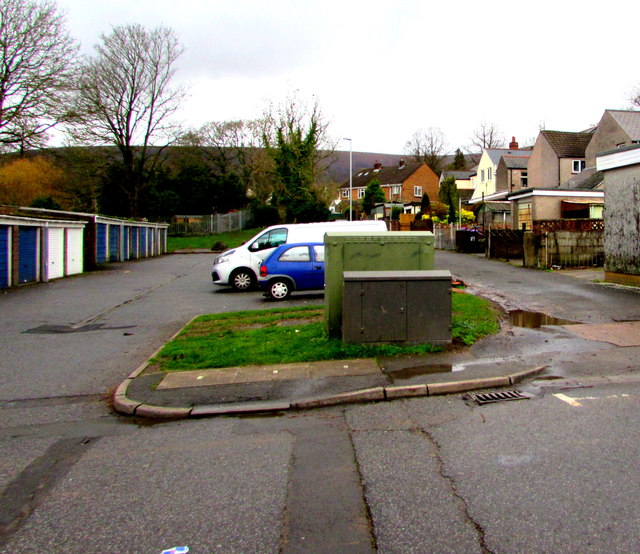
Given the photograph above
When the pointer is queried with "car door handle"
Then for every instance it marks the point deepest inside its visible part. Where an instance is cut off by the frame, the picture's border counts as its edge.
(317, 267)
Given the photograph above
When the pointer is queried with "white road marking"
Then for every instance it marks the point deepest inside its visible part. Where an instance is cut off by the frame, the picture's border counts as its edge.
(575, 401)
(568, 400)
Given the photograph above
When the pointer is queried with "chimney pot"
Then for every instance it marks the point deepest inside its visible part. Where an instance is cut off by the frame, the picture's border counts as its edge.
(513, 145)
(377, 165)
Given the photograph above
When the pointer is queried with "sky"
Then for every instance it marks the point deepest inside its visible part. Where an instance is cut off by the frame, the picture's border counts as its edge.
(380, 71)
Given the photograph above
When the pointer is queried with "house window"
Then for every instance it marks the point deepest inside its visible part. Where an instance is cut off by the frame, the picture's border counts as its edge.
(489, 172)
(360, 193)
(482, 175)
(395, 189)
(578, 166)
(524, 179)
(417, 192)
(345, 193)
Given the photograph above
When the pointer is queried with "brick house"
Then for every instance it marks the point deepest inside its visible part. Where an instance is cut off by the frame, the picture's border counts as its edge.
(403, 183)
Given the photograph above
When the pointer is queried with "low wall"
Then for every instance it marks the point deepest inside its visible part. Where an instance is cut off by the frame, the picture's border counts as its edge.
(564, 249)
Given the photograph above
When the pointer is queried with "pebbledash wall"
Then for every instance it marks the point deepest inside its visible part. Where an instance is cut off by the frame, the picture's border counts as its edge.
(621, 169)
(39, 245)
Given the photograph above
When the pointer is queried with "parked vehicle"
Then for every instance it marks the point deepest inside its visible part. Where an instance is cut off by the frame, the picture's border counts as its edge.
(240, 266)
(298, 266)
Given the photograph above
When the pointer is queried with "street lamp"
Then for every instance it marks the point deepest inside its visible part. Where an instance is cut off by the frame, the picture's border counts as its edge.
(350, 179)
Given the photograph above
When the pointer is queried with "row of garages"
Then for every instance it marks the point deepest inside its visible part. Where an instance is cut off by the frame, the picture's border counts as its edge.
(40, 245)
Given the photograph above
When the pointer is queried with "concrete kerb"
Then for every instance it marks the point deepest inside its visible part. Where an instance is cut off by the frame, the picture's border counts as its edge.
(130, 407)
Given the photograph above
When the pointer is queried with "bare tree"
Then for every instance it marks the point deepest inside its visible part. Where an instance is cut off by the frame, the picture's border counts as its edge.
(125, 98)
(37, 63)
(428, 146)
(634, 98)
(487, 136)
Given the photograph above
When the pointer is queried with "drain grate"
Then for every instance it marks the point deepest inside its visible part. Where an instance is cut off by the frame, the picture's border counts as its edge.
(502, 396)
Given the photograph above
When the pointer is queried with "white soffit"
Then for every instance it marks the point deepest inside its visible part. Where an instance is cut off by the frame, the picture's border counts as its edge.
(612, 160)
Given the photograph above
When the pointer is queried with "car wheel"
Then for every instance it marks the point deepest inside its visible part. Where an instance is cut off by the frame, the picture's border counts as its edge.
(279, 289)
(243, 279)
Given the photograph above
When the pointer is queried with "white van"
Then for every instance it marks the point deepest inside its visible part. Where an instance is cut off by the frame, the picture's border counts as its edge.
(240, 266)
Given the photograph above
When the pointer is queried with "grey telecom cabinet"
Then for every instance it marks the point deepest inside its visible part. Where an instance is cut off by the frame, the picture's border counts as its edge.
(408, 307)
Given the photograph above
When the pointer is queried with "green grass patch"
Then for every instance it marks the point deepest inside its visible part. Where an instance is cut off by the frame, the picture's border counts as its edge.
(288, 335)
(231, 239)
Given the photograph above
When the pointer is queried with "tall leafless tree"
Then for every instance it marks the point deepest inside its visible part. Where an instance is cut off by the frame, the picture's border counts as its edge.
(428, 146)
(487, 136)
(125, 98)
(37, 63)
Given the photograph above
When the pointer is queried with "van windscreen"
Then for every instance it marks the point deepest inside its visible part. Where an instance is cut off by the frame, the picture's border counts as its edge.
(270, 239)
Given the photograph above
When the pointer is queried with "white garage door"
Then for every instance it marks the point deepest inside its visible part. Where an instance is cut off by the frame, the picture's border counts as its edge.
(74, 251)
(55, 256)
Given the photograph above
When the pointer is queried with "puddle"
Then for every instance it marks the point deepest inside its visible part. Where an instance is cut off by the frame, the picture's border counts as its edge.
(534, 320)
(420, 370)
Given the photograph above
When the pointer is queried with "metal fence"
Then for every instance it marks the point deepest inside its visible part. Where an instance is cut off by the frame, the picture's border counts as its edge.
(210, 224)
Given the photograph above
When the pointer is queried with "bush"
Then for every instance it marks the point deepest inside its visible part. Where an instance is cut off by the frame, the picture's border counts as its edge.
(264, 215)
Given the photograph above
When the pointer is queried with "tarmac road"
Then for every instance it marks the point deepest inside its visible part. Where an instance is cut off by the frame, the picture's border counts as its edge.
(557, 472)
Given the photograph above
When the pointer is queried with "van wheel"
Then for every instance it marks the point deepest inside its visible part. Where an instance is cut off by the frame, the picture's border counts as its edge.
(243, 279)
(279, 289)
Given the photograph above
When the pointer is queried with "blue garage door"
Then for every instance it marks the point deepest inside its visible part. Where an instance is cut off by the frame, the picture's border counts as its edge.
(114, 243)
(101, 244)
(134, 242)
(143, 241)
(28, 255)
(4, 257)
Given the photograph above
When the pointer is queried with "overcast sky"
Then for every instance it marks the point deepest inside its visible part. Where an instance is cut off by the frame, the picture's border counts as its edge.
(382, 70)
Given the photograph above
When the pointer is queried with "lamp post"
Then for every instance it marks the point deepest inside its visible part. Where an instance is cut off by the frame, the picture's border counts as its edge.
(350, 180)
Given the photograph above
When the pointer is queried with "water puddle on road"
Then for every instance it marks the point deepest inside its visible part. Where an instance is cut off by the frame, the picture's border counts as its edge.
(534, 320)
(409, 373)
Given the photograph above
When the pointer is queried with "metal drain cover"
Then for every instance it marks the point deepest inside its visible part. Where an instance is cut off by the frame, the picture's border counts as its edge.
(502, 396)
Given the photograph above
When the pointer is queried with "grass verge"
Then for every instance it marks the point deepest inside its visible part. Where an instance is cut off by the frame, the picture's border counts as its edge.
(231, 239)
(288, 335)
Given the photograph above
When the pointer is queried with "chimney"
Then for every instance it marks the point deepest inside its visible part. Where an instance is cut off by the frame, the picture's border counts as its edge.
(400, 164)
(513, 145)
(377, 166)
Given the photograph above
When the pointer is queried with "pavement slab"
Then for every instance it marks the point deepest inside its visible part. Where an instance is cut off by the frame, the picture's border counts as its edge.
(265, 373)
(621, 334)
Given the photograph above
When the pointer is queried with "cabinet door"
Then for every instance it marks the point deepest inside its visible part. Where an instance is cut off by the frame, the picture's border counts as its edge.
(384, 317)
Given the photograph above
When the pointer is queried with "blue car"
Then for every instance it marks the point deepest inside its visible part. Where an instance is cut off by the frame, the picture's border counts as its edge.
(290, 267)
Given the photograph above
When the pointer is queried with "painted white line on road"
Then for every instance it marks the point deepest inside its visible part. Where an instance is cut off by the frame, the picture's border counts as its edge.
(568, 400)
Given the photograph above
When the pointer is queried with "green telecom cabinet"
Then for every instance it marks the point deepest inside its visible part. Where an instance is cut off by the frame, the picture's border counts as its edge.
(400, 307)
(373, 251)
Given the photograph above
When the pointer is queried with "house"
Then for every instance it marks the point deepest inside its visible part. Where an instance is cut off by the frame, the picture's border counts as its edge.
(617, 128)
(511, 173)
(463, 179)
(404, 183)
(557, 156)
(531, 205)
(557, 184)
(621, 169)
(485, 186)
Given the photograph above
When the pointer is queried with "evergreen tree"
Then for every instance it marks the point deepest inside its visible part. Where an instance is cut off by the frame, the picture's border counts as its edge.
(459, 162)
(425, 204)
(449, 197)
(373, 195)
